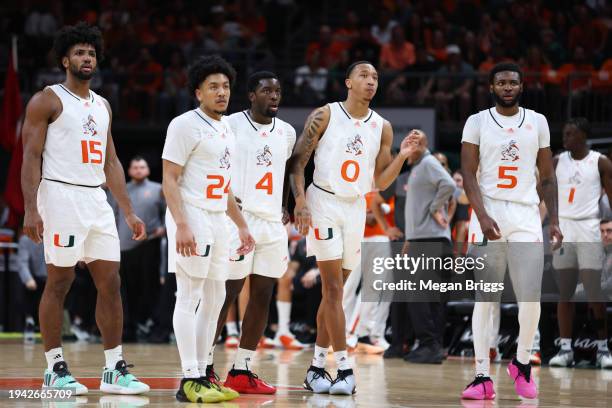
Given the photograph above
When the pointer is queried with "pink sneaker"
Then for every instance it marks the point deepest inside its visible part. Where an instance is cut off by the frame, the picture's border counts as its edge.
(479, 389)
(524, 385)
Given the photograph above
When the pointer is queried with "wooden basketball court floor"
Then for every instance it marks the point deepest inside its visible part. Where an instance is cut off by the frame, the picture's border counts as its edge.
(380, 383)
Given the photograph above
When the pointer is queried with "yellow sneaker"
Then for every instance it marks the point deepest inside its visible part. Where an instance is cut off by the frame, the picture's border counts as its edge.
(213, 378)
(198, 390)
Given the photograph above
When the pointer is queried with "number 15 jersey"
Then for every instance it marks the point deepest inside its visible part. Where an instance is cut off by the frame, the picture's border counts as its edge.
(75, 146)
(509, 148)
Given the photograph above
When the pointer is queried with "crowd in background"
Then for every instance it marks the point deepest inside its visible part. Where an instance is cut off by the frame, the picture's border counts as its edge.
(563, 46)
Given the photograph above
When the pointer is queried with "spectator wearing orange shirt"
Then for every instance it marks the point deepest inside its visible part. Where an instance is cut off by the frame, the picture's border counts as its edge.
(398, 54)
(575, 75)
(602, 79)
(327, 50)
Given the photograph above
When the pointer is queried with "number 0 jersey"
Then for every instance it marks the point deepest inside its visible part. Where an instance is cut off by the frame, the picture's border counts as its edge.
(345, 156)
(509, 148)
(259, 165)
(204, 147)
(75, 145)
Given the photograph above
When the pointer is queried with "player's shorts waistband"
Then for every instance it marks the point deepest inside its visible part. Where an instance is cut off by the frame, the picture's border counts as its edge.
(579, 219)
(322, 189)
(342, 198)
(71, 184)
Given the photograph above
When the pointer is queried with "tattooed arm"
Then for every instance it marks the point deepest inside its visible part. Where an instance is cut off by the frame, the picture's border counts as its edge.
(313, 129)
(548, 185)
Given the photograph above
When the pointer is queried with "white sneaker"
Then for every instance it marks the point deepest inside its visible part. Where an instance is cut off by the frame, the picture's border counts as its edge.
(344, 384)
(380, 342)
(289, 342)
(564, 358)
(604, 359)
(351, 341)
(317, 380)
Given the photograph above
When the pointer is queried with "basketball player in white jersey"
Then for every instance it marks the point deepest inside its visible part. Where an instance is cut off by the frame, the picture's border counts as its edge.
(197, 169)
(352, 146)
(263, 145)
(509, 143)
(580, 174)
(67, 132)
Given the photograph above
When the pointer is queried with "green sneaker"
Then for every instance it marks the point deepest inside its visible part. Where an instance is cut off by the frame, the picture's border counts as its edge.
(198, 390)
(214, 379)
(120, 381)
(60, 377)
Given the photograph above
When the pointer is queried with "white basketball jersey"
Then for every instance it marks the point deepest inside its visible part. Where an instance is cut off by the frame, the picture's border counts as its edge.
(345, 156)
(75, 146)
(508, 152)
(258, 172)
(204, 147)
(579, 186)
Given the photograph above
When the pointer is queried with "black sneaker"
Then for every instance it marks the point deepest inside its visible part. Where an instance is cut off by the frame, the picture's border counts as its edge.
(426, 354)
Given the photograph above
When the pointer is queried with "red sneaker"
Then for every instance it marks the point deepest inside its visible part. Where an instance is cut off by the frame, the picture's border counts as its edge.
(247, 382)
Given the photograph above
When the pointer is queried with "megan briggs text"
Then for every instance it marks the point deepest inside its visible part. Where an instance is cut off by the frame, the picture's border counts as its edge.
(431, 286)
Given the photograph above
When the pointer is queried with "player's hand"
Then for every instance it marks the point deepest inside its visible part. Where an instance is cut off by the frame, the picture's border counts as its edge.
(440, 218)
(246, 240)
(185, 240)
(394, 233)
(556, 237)
(303, 219)
(33, 226)
(31, 284)
(286, 216)
(137, 226)
(489, 228)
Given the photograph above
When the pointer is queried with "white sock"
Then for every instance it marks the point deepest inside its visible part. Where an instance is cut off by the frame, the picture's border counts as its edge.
(494, 326)
(481, 330)
(113, 356)
(243, 359)
(206, 321)
(284, 316)
(602, 345)
(320, 356)
(211, 355)
(566, 344)
(232, 329)
(482, 366)
(188, 294)
(342, 360)
(53, 356)
(528, 317)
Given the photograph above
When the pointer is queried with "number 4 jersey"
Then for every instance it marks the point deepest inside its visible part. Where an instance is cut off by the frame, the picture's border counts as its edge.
(75, 146)
(204, 147)
(258, 173)
(509, 148)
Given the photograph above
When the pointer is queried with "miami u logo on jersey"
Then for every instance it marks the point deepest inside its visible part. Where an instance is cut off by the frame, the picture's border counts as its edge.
(206, 252)
(56, 241)
(330, 234)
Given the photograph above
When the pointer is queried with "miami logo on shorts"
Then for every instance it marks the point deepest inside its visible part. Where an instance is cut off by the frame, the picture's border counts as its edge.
(240, 258)
(56, 241)
(330, 234)
(206, 252)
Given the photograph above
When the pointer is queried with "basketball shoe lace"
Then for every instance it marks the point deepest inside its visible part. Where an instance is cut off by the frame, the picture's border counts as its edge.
(321, 373)
(480, 379)
(524, 370)
(342, 375)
